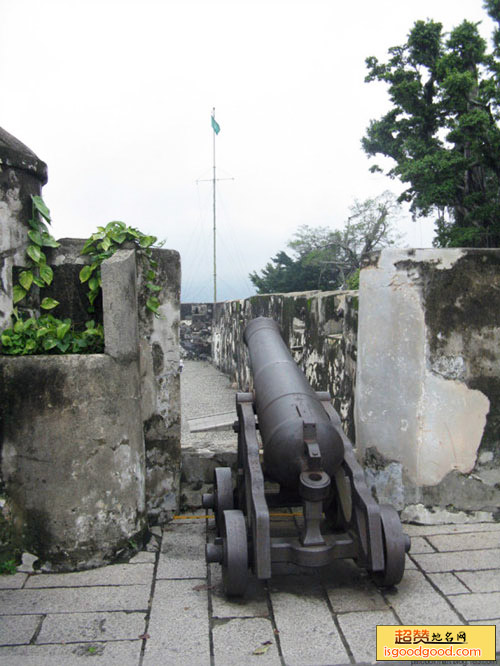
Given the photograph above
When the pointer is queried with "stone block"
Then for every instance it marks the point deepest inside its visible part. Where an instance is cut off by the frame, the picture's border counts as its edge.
(416, 602)
(91, 627)
(448, 583)
(253, 604)
(18, 630)
(464, 561)
(236, 640)
(178, 625)
(115, 653)
(473, 526)
(359, 630)
(312, 641)
(459, 542)
(74, 600)
(478, 606)
(119, 300)
(420, 545)
(183, 551)
(481, 581)
(12, 582)
(116, 574)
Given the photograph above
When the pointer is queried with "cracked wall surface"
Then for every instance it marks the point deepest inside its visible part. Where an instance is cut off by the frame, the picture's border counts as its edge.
(428, 381)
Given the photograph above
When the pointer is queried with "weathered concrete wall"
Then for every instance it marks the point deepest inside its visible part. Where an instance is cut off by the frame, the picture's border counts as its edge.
(100, 432)
(160, 387)
(22, 174)
(73, 456)
(318, 327)
(428, 382)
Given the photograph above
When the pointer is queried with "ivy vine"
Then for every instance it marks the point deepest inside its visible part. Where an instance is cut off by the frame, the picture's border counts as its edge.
(48, 334)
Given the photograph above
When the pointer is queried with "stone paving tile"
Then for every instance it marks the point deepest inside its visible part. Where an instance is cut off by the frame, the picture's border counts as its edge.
(420, 545)
(424, 530)
(80, 627)
(143, 557)
(471, 560)
(253, 604)
(178, 626)
(409, 563)
(13, 582)
(359, 630)
(481, 581)
(416, 602)
(114, 574)
(18, 629)
(472, 541)
(74, 600)
(183, 551)
(478, 606)
(307, 631)
(448, 583)
(351, 589)
(236, 640)
(119, 653)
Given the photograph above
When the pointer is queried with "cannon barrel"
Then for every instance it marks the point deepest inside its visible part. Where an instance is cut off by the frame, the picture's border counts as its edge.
(288, 409)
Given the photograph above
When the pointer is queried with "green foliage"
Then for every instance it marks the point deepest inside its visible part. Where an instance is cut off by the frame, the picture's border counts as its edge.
(103, 244)
(49, 335)
(8, 568)
(330, 259)
(442, 131)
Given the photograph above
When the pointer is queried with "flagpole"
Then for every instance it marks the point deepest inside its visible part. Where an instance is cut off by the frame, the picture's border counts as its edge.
(215, 227)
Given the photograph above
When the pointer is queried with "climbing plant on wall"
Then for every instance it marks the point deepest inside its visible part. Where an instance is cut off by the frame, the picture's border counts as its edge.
(47, 334)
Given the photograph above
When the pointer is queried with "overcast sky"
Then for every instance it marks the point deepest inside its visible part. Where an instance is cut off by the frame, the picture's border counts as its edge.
(116, 97)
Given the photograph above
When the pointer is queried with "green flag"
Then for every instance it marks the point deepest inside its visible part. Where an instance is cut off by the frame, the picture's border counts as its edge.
(215, 125)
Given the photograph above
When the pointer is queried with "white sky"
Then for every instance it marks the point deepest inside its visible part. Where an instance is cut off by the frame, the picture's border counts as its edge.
(116, 97)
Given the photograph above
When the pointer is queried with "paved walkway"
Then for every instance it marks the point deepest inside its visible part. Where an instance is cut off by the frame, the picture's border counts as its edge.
(167, 607)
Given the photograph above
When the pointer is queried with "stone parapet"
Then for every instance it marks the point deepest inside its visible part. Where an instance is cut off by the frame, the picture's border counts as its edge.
(428, 383)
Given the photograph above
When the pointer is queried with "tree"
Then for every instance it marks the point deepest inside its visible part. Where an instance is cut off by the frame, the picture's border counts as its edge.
(329, 259)
(442, 130)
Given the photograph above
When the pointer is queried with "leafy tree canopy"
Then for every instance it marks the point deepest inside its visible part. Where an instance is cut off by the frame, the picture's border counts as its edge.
(328, 259)
(443, 128)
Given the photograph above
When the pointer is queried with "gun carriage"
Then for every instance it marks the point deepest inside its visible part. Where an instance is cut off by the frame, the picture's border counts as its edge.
(306, 460)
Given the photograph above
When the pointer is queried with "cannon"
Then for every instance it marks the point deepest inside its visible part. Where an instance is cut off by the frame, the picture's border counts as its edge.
(292, 452)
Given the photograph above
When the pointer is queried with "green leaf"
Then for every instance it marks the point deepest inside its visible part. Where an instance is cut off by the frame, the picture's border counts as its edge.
(36, 237)
(153, 287)
(118, 237)
(49, 343)
(49, 241)
(150, 275)
(85, 273)
(90, 324)
(30, 346)
(63, 346)
(152, 304)
(42, 331)
(46, 273)
(35, 253)
(18, 293)
(26, 279)
(38, 281)
(19, 326)
(147, 241)
(94, 284)
(48, 303)
(6, 340)
(62, 329)
(40, 206)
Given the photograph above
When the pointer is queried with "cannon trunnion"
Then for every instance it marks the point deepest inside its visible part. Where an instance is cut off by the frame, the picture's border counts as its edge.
(308, 461)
